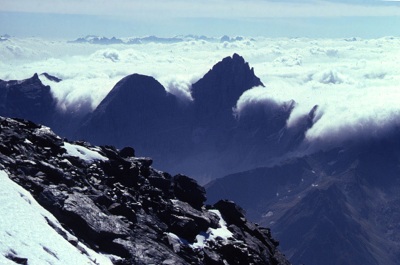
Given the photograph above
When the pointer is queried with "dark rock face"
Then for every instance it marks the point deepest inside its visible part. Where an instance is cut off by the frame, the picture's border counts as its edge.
(187, 190)
(28, 99)
(339, 201)
(336, 231)
(52, 77)
(137, 112)
(218, 91)
(118, 204)
(262, 186)
(127, 152)
(16, 259)
(233, 213)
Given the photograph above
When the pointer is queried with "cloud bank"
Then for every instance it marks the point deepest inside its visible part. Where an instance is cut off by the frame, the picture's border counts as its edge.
(208, 8)
(355, 82)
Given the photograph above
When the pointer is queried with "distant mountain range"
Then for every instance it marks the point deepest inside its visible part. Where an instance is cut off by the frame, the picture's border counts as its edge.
(333, 206)
(93, 39)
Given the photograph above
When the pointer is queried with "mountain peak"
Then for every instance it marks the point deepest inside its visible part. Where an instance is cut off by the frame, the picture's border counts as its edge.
(35, 76)
(231, 77)
(134, 89)
(135, 106)
(237, 57)
(140, 83)
(222, 86)
(28, 99)
(29, 81)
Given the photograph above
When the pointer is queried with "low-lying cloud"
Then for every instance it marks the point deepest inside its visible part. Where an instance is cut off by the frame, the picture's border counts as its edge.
(354, 82)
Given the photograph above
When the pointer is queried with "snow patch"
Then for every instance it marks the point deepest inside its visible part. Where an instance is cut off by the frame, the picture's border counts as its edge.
(26, 141)
(83, 153)
(43, 130)
(25, 232)
(222, 232)
(202, 239)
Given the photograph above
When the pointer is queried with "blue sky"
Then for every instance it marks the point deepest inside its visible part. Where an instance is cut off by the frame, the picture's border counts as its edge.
(303, 18)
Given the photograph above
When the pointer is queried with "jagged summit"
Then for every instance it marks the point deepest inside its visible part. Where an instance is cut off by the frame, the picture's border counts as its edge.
(27, 98)
(116, 203)
(222, 86)
(31, 80)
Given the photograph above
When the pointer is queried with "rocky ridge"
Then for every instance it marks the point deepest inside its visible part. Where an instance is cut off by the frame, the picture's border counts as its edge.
(118, 204)
(28, 99)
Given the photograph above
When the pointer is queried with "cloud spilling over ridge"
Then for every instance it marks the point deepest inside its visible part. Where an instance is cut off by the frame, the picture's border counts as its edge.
(354, 82)
(257, 96)
(355, 85)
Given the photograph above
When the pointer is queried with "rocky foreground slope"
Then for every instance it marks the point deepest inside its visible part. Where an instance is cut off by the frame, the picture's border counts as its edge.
(116, 203)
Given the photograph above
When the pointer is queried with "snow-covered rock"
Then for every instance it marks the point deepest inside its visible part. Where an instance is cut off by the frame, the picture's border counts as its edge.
(29, 232)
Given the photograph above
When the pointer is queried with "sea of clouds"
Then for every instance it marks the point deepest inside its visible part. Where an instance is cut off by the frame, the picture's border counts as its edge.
(355, 82)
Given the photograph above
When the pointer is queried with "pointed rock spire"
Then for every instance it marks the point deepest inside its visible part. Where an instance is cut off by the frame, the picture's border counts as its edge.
(219, 90)
(225, 82)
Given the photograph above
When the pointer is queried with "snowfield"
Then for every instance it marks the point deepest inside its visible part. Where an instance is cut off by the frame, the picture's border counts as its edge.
(25, 232)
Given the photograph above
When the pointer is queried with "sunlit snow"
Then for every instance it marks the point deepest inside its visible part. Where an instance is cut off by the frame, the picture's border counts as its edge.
(212, 234)
(83, 152)
(25, 232)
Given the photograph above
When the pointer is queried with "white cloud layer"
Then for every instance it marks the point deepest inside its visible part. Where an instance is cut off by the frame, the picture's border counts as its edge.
(208, 8)
(355, 82)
